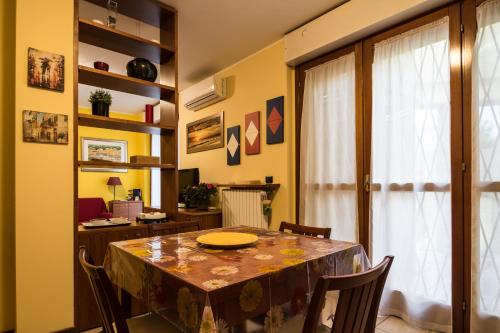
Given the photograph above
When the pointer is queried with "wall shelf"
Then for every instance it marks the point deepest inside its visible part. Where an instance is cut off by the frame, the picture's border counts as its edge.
(149, 11)
(123, 124)
(114, 81)
(122, 42)
(116, 165)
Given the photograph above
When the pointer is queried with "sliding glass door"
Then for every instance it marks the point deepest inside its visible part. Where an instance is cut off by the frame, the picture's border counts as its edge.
(411, 172)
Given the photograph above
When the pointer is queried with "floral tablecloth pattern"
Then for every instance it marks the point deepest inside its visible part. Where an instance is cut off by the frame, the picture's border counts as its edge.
(206, 290)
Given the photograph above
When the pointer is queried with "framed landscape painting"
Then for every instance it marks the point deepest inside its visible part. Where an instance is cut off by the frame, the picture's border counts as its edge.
(42, 127)
(205, 134)
(105, 151)
(45, 70)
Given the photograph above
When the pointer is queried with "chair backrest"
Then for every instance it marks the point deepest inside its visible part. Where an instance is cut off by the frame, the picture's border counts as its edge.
(358, 302)
(107, 302)
(173, 227)
(305, 230)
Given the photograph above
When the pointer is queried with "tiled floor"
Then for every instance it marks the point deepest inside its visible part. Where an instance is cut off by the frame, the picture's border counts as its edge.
(384, 325)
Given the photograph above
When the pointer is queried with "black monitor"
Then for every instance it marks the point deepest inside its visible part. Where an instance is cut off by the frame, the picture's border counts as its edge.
(188, 177)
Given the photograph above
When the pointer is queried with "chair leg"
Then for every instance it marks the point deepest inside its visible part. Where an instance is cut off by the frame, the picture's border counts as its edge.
(126, 303)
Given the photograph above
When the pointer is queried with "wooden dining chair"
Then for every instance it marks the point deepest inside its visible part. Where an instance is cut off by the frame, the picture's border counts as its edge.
(173, 227)
(358, 302)
(111, 313)
(305, 230)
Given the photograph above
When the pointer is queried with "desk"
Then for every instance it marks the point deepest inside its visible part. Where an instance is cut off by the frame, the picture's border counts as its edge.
(201, 289)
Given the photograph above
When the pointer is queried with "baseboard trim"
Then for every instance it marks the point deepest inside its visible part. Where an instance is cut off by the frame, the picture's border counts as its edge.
(66, 330)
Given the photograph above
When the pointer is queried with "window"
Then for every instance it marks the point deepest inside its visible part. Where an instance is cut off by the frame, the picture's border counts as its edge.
(486, 170)
(411, 172)
(328, 148)
(155, 173)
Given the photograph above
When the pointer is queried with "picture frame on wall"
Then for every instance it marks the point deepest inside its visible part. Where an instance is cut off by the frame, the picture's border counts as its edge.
(45, 70)
(233, 145)
(43, 127)
(205, 134)
(104, 150)
(275, 118)
(252, 133)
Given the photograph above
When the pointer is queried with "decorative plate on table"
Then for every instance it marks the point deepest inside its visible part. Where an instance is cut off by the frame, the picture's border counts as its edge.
(227, 239)
(101, 223)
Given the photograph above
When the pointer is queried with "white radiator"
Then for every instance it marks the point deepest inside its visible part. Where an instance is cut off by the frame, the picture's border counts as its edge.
(243, 207)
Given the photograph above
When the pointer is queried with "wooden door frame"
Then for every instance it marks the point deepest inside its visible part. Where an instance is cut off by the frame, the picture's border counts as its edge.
(460, 189)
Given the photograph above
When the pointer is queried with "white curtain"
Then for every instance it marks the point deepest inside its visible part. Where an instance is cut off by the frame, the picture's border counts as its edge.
(411, 215)
(328, 149)
(486, 171)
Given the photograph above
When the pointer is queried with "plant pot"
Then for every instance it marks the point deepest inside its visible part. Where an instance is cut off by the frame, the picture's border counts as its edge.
(100, 109)
(143, 69)
(203, 205)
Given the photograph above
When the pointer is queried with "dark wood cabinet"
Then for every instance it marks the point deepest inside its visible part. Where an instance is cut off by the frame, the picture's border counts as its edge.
(208, 219)
(97, 240)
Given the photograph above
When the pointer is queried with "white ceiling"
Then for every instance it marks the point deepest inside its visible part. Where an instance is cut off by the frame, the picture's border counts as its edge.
(217, 33)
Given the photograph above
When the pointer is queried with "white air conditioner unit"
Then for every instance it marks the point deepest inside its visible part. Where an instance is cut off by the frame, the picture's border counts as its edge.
(205, 93)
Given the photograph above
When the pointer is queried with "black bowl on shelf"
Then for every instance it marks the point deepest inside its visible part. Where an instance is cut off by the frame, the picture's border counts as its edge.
(143, 69)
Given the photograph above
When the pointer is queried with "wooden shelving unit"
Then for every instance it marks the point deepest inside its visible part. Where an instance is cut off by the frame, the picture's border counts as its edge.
(115, 165)
(123, 124)
(123, 42)
(114, 81)
(162, 53)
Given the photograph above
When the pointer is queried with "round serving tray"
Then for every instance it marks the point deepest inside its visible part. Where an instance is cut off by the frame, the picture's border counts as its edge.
(227, 239)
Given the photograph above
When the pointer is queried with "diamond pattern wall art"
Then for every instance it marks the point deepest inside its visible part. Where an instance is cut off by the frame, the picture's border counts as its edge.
(275, 120)
(252, 133)
(233, 145)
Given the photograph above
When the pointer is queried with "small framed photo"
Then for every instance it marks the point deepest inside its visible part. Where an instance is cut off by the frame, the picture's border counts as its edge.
(205, 134)
(105, 151)
(45, 70)
(43, 127)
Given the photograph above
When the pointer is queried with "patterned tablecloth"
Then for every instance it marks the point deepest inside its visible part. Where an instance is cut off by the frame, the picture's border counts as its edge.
(206, 290)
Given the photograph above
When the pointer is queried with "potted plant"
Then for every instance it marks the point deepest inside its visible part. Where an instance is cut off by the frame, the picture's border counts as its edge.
(101, 100)
(199, 196)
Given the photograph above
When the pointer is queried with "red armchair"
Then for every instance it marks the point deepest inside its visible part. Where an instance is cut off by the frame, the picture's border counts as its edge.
(92, 208)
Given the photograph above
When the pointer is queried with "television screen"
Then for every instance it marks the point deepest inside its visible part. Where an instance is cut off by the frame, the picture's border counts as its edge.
(188, 177)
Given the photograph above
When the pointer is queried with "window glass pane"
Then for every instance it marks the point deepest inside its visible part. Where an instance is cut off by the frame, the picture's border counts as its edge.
(328, 148)
(411, 206)
(486, 171)
(155, 174)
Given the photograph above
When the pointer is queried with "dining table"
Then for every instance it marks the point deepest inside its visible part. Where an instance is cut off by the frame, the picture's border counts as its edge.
(265, 286)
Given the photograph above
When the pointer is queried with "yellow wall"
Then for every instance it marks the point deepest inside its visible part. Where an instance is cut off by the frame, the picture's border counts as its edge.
(7, 72)
(251, 82)
(93, 184)
(44, 177)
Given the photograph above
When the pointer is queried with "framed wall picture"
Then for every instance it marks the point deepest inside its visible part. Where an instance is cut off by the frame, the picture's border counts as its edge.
(252, 133)
(45, 70)
(205, 134)
(275, 120)
(233, 145)
(43, 127)
(104, 150)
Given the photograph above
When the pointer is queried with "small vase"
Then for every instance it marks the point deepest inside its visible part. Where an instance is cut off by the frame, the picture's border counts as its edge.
(100, 109)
